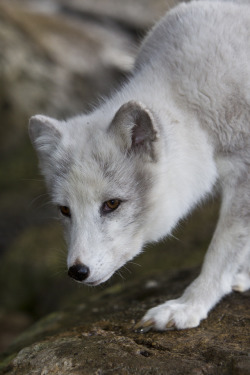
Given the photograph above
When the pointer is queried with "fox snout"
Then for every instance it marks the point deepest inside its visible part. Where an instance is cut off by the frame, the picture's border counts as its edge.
(79, 272)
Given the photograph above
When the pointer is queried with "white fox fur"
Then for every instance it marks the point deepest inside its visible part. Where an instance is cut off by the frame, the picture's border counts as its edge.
(155, 149)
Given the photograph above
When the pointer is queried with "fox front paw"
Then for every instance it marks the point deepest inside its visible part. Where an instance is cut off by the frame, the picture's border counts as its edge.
(173, 314)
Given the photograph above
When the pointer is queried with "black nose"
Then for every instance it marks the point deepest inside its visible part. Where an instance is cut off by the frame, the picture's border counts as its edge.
(79, 272)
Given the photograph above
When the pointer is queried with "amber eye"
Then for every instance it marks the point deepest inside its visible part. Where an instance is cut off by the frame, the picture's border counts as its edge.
(65, 211)
(111, 205)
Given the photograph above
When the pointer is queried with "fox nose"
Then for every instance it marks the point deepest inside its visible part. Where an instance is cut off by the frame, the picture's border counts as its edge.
(78, 272)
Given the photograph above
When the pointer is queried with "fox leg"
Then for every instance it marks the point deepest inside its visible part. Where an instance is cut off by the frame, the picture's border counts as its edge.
(222, 269)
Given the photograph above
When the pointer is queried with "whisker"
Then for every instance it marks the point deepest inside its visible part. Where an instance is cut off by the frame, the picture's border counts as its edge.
(118, 272)
(173, 236)
(38, 198)
(32, 179)
(127, 269)
(57, 274)
(136, 264)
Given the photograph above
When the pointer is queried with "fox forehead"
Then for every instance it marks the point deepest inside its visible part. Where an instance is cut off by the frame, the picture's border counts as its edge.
(96, 176)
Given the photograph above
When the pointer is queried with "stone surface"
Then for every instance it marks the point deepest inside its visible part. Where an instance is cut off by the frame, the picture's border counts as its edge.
(97, 336)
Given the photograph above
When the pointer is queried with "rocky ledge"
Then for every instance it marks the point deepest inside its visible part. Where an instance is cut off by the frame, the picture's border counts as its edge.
(98, 336)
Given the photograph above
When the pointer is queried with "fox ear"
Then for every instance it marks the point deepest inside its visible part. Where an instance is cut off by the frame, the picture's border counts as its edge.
(135, 128)
(44, 133)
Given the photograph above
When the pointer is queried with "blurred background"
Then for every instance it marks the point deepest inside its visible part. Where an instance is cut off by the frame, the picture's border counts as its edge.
(57, 57)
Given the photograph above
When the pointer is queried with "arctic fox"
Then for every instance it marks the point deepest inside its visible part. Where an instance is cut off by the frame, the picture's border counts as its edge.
(125, 174)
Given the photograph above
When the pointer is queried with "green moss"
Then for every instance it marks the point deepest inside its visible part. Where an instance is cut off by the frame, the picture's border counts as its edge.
(5, 362)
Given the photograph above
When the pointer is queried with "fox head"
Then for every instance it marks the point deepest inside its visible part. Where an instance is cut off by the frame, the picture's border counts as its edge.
(100, 172)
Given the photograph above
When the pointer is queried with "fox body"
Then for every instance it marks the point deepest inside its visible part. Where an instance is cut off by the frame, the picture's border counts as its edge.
(126, 173)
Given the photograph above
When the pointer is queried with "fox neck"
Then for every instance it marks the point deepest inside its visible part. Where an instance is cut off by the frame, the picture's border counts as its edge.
(184, 175)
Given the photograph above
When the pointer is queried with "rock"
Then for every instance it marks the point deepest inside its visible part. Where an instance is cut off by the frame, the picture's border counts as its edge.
(55, 64)
(137, 15)
(97, 336)
(133, 15)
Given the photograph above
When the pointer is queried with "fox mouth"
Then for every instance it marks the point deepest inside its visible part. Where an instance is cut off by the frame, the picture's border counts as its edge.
(98, 281)
(93, 283)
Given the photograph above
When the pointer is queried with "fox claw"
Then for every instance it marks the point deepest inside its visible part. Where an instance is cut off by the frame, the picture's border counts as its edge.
(144, 327)
(147, 325)
(170, 324)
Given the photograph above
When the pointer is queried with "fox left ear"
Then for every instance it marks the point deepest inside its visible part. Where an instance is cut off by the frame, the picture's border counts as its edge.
(135, 128)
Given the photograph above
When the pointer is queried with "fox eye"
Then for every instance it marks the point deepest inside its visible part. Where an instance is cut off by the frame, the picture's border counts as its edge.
(65, 211)
(111, 205)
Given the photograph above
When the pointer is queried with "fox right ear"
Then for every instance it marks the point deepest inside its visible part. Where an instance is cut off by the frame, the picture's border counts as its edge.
(44, 133)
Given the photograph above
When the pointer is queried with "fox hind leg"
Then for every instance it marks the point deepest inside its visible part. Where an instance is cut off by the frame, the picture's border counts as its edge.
(241, 280)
